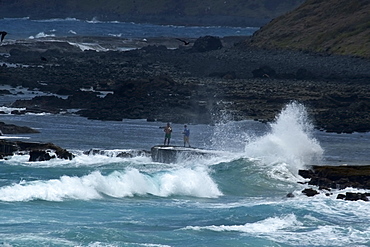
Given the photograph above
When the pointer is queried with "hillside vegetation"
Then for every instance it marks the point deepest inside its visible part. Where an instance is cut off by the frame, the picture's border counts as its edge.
(333, 26)
(189, 12)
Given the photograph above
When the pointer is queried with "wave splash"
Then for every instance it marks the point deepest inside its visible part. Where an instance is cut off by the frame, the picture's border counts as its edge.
(290, 140)
(128, 183)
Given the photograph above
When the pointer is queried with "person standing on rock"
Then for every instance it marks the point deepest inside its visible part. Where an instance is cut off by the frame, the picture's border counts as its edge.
(186, 134)
(167, 134)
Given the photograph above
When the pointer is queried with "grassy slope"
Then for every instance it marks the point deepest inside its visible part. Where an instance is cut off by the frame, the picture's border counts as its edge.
(334, 26)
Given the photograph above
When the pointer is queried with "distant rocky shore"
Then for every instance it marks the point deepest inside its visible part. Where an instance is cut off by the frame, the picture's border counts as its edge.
(193, 83)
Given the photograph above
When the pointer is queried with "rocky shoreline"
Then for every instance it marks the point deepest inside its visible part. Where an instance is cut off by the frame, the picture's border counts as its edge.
(193, 83)
(37, 151)
(338, 177)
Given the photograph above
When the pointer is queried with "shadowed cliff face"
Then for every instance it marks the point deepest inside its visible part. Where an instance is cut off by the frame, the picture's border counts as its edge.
(194, 12)
(333, 26)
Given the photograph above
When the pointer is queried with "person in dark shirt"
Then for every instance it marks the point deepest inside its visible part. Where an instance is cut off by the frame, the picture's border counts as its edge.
(186, 134)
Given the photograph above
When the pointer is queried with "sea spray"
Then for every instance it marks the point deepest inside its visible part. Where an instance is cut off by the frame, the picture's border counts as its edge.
(289, 141)
(228, 135)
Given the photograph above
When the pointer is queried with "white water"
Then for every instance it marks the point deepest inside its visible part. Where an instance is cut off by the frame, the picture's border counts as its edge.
(290, 141)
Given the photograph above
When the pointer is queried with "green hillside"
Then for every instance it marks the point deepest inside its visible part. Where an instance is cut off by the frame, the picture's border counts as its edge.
(172, 11)
(333, 26)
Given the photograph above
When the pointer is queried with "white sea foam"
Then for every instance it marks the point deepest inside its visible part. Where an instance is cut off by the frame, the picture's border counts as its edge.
(8, 110)
(268, 225)
(287, 229)
(127, 183)
(289, 141)
(41, 35)
(57, 19)
(89, 46)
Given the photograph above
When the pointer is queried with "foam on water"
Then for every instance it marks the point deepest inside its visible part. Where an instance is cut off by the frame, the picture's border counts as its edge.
(8, 110)
(268, 225)
(288, 229)
(41, 35)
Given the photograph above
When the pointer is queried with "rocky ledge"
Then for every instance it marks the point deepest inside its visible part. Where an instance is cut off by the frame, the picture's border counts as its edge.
(14, 129)
(193, 83)
(338, 177)
(37, 151)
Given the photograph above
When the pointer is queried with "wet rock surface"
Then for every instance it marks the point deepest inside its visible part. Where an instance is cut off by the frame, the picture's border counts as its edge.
(185, 85)
(338, 177)
(37, 151)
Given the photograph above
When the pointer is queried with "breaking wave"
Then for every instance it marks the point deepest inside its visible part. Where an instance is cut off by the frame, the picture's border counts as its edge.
(128, 183)
(289, 141)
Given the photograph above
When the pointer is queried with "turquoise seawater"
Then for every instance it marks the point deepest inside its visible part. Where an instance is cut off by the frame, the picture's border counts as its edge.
(235, 198)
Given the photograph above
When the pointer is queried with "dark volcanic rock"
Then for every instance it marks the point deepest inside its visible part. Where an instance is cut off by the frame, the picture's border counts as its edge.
(14, 129)
(264, 72)
(338, 177)
(207, 43)
(40, 155)
(351, 196)
(310, 192)
(37, 151)
(4, 91)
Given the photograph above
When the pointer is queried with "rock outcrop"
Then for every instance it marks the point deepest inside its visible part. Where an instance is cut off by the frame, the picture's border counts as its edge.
(172, 154)
(37, 151)
(207, 43)
(14, 129)
(338, 177)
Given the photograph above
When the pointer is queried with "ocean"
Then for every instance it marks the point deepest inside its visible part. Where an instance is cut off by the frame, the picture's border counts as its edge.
(25, 28)
(235, 198)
